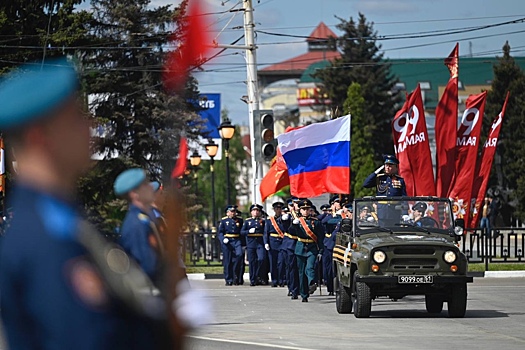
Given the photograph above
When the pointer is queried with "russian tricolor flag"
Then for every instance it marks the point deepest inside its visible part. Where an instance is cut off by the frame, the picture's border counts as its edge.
(318, 158)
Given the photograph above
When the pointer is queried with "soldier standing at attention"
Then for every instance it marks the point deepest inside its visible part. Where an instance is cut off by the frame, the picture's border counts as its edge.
(273, 237)
(309, 248)
(230, 238)
(54, 293)
(253, 229)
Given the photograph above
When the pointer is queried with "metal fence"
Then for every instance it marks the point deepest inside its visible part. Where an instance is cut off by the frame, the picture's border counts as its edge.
(202, 248)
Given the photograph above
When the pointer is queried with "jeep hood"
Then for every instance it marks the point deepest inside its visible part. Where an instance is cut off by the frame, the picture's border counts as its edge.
(386, 238)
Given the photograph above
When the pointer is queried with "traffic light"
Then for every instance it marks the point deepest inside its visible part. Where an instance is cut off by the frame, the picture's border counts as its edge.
(265, 142)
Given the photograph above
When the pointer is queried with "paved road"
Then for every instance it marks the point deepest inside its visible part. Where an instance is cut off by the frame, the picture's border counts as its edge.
(261, 317)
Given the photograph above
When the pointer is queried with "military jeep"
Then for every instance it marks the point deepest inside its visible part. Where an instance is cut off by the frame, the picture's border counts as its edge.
(395, 247)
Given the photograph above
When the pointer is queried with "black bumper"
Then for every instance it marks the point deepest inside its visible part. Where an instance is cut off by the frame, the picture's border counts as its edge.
(393, 279)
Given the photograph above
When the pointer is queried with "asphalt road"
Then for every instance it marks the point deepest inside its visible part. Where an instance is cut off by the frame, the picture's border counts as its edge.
(262, 317)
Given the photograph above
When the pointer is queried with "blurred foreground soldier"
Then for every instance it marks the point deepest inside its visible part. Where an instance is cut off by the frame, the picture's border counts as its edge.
(253, 229)
(232, 254)
(288, 245)
(309, 248)
(274, 230)
(57, 284)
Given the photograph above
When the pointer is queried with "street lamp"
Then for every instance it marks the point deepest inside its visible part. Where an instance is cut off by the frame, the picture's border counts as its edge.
(212, 148)
(226, 130)
(195, 160)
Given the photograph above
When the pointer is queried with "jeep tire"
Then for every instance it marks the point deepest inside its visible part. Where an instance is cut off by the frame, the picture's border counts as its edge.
(361, 298)
(457, 302)
(343, 302)
(434, 303)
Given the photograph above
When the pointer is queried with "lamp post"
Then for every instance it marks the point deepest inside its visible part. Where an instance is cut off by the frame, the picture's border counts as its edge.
(212, 148)
(226, 130)
(195, 160)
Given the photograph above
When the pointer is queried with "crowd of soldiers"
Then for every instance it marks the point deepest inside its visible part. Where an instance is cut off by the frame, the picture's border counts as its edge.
(296, 243)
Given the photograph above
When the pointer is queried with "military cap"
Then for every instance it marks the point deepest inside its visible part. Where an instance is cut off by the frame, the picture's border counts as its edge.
(286, 210)
(420, 206)
(350, 207)
(305, 204)
(335, 198)
(295, 199)
(278, 204)
(31, 93)
(365, 208)
(155, 185)
(255, 206)
(289, 201)
(390, 159)
(324, 207)
(230, 208)
(129, 180)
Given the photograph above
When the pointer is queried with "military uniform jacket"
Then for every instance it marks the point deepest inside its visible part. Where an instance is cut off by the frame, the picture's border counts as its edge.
(289, 240)
(252, 239)
(331, 224)
(229, 228)
(386, 185)
(136, 237)
(44, 270)
(271, 235)
(304, 246)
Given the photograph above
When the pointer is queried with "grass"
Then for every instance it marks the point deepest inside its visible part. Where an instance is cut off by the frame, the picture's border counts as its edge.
(204, 269)
(496, 267)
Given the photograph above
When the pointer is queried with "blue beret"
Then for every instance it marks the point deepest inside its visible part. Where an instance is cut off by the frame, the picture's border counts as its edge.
(28, 94)
(390, 159)
(155, 185)
(128, 180)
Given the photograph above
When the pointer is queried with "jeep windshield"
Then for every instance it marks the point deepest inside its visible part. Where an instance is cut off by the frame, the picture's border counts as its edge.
(418, 214)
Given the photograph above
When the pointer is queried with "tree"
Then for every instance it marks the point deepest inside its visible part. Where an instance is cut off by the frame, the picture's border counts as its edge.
(361, 154)
(508, 172)
(37, 30)
(362, 63)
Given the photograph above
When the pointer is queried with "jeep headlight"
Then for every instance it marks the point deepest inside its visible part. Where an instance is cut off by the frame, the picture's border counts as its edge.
(379, 256)
(449, 256)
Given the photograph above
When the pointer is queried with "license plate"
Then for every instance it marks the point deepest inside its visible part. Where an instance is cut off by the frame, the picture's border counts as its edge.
(415, 279)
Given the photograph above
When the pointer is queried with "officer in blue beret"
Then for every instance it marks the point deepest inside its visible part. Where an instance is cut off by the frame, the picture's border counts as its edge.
(274, 230)
(58, 291)
(253, 230)
(232, 254)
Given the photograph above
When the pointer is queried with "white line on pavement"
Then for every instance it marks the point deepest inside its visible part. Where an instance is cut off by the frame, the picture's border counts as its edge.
(248, 343)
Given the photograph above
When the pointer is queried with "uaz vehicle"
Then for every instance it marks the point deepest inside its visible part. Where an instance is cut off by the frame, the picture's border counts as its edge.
(395, 247)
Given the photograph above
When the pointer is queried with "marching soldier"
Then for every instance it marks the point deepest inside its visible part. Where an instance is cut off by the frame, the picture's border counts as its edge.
(230, 238)
(308, 248)
(239, 222)
(288, 245)
(253, 229)
(274, 230)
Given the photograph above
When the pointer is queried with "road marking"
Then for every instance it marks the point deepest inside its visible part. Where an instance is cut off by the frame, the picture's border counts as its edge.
(248, 343)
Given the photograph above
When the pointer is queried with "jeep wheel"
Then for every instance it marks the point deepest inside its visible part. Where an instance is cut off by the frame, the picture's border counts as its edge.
(361, 298)
(457, 303)
(343, 303)
(434, 303)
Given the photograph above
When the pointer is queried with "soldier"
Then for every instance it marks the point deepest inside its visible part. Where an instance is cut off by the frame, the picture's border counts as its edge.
(253, 229)
(288, 245)
(274, 229)
(309, 248)
(230, 238)
(239, 222)
(55, 294)
(139, 235)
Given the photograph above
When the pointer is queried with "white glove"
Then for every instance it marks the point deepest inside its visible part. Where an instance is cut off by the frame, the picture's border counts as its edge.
(378, 170)
(339, 212)
(252, 230)
(285, 217)
(370, 219)
(267, 246)
(406, 217)
(296, 222)
(225, 240)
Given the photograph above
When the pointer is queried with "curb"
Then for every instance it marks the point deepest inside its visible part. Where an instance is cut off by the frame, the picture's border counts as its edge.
(489, 274)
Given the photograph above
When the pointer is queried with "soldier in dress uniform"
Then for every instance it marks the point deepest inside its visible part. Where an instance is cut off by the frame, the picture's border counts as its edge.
(309, 247)
(56, 293)
(240, 221)
(230, 238)
(274, 230)
(139, 235)
(253, 230)
(387, 184)
(288, 245)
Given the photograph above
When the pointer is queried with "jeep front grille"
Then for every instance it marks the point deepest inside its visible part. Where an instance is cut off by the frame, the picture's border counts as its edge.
(413, 263)
(414, 251)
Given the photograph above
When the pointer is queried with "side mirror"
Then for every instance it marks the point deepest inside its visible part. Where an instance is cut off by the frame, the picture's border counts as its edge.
(459, 228)
(346, 225)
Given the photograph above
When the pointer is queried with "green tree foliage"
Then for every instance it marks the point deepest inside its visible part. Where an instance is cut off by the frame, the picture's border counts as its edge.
(362, 62)
(361, 153)
(508, 76)
(34, 30)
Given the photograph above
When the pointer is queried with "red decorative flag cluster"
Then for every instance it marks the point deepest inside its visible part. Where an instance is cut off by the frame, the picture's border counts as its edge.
(410, 135)
(466, 155)
(445, 127)
(485, 165)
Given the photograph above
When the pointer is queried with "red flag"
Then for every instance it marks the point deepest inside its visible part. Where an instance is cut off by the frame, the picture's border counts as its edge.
(467, 152)
(276, 178)
(409, 129)
(485, 165)
(445, 127)
(193, 45)
(180, 165)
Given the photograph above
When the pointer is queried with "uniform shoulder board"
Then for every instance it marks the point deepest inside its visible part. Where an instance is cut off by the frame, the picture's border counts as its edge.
(143, 217)
(399, 177)
(381, 174)
(224, 217)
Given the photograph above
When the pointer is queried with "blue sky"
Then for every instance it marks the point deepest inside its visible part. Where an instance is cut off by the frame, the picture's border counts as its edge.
(226, 74)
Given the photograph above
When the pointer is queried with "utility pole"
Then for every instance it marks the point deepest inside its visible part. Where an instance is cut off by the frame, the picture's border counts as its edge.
(253, 92)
